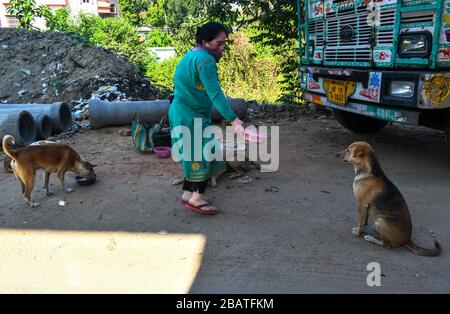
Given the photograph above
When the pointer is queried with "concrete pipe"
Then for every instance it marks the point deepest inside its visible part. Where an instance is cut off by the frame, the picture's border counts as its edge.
(59, 113)
(20, 124)
(239, 106)
(43, 126)
(106, 113)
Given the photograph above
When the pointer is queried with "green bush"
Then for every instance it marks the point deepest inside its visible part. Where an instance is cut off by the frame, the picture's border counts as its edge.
(25, 11)
(162, 73)
(116, 34)
(158, 38)
(244, 72)
(248, 73)
(58, 20)
(248, 70)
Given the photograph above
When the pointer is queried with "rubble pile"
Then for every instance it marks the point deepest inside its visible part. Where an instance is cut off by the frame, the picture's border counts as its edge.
(47, 67)
(80, 108)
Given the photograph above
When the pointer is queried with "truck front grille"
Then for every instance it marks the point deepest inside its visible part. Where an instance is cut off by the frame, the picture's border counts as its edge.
(386, 37)
(316, 29)
(354, 50)
(359, 48)
(417, 17)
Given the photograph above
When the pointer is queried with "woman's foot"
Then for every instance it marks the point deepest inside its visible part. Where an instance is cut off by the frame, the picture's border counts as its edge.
(204, 205)
(201, 205)
(186, 196)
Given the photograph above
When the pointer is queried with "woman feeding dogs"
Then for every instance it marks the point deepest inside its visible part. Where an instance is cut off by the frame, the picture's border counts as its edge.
(197, 89)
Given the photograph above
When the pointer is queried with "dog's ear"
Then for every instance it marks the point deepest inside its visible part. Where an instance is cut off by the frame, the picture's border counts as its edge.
(358, 152)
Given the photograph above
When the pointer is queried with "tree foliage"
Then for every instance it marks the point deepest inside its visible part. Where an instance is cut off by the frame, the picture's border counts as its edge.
(158, 38)
(116, 34)
(156, 15)
(179, 11)
(261, 62)
(26, 11)
(244, 72)
(162, 73)
(276, 22)
(247, 72)
(143, 12)
(58, 20)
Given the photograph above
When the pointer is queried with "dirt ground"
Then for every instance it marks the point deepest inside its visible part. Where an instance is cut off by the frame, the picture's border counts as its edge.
(285, 232)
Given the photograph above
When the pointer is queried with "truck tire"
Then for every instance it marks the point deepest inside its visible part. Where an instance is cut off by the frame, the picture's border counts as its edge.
(358, 123)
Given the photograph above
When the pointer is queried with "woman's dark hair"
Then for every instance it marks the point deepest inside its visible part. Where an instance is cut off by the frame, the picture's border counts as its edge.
(209, 31)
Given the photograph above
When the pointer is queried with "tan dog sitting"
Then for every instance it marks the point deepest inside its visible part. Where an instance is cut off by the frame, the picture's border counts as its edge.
(51, 157)
(380, 200)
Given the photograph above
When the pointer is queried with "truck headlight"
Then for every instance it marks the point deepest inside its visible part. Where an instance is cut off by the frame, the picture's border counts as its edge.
(403, 89)
(414, 45)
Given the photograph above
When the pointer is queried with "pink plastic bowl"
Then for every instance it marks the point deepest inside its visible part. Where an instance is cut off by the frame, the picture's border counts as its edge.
(163, 151)
(255, 136)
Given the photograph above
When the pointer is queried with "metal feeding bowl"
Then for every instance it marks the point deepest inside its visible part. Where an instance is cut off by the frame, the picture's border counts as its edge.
(86, 180)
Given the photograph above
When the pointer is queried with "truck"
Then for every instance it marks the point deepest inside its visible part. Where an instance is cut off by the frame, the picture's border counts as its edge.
(377, 61)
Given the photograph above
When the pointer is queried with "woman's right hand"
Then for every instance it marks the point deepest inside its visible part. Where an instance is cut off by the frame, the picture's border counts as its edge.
(238, 125)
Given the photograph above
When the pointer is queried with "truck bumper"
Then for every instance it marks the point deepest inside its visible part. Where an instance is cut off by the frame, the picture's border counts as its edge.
(375, 111)
(371, 93)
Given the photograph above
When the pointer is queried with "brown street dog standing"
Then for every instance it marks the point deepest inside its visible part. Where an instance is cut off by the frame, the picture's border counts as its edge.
(51, 157)
(7, 160)
(380, 200)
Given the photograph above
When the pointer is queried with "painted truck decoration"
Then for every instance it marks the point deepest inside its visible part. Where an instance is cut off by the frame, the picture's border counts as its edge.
(387, 59)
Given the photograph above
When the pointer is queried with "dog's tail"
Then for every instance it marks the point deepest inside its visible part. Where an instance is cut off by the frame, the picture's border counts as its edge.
(423, 251)
(7, 139)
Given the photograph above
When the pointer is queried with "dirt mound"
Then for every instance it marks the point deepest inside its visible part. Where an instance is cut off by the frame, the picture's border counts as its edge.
(44, 67)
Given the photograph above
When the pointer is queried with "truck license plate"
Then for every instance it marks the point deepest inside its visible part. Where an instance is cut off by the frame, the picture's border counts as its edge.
(339, 91)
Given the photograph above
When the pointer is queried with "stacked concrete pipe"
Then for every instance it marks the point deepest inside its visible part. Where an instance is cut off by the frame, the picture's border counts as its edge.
(43, 126)
(59, 113)
(106, 113)
(18, 123)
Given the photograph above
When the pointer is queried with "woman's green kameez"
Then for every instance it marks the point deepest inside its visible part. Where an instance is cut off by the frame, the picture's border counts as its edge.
(197, 89)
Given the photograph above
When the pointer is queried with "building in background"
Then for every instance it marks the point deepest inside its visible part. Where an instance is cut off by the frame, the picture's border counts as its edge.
(163, 53)
(103, 8)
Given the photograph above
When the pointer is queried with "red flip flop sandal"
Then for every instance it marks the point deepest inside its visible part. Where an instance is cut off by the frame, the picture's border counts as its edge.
(199, 209)
(182, 201)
